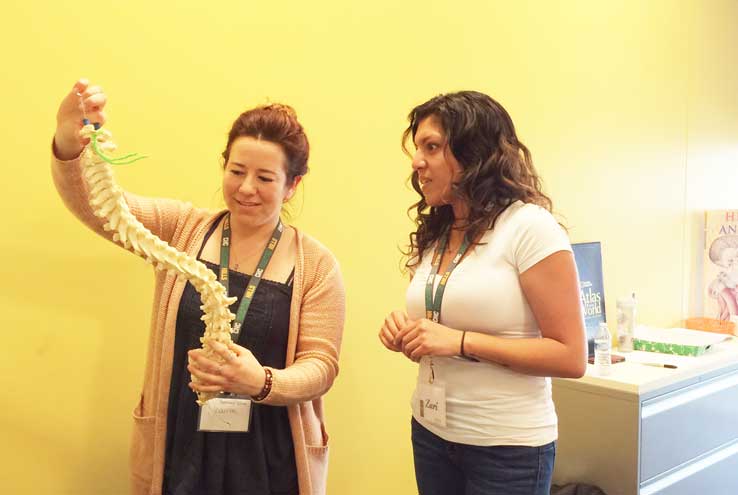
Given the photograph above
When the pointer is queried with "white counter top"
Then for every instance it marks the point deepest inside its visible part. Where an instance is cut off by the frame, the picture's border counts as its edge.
(632, 377)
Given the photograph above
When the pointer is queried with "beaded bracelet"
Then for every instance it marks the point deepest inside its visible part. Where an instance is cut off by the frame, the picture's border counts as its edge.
(267, 386)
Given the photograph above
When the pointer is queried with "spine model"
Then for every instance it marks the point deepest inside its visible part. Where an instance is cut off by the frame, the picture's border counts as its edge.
(107, 201)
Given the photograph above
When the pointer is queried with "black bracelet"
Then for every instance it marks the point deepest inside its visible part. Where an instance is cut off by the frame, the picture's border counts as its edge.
(463, 353)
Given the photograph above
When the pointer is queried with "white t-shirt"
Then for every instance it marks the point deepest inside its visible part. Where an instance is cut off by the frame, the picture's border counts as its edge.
(486, 403)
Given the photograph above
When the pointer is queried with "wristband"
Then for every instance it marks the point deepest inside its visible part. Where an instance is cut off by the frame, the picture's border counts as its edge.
(267, 386)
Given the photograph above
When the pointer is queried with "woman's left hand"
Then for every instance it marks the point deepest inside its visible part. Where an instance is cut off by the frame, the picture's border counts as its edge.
(424, 337)
(240, 373)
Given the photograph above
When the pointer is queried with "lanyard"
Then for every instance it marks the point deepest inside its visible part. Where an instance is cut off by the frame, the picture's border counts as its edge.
(266, 256)
(433, 304)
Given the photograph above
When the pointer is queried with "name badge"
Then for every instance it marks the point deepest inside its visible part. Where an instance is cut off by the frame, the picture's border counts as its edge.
(225, 414)
(431, 403)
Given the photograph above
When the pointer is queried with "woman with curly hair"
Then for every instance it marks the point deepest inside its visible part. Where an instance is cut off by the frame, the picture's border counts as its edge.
(493, 307)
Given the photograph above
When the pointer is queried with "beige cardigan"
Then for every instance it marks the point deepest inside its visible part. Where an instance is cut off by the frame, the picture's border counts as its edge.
(316, 324)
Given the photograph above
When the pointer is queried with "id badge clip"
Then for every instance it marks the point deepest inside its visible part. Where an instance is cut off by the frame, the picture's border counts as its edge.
(431, 403)
(226, 413)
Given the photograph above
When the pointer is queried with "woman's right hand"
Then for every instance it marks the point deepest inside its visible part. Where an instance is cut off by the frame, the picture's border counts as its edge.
(83, 100)
(393, 323)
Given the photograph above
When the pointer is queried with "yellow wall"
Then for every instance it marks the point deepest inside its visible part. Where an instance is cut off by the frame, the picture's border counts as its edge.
(712, 157)
(623, 104)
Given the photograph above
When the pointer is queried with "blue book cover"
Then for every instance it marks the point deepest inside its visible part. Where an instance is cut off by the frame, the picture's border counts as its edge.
(588, 258)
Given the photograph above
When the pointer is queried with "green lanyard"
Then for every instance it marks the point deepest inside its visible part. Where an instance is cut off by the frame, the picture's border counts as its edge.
(433, 304)
(266, 256)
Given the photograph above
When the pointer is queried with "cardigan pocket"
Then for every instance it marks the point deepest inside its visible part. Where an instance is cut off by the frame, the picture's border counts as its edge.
(318, 463)
(141, 456)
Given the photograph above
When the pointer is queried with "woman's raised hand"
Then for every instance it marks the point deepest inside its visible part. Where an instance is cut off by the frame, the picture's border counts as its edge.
(83, 101)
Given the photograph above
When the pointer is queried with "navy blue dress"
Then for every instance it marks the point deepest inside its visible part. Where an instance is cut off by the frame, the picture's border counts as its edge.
(260, 462)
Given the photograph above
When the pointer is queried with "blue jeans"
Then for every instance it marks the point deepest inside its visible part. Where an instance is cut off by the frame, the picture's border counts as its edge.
(448, 468)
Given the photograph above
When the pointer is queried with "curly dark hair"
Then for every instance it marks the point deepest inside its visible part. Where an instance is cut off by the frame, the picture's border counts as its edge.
(497, 168)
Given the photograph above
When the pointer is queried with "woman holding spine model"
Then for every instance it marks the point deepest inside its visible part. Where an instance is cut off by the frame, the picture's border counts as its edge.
(492, 309)
(268, 437)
